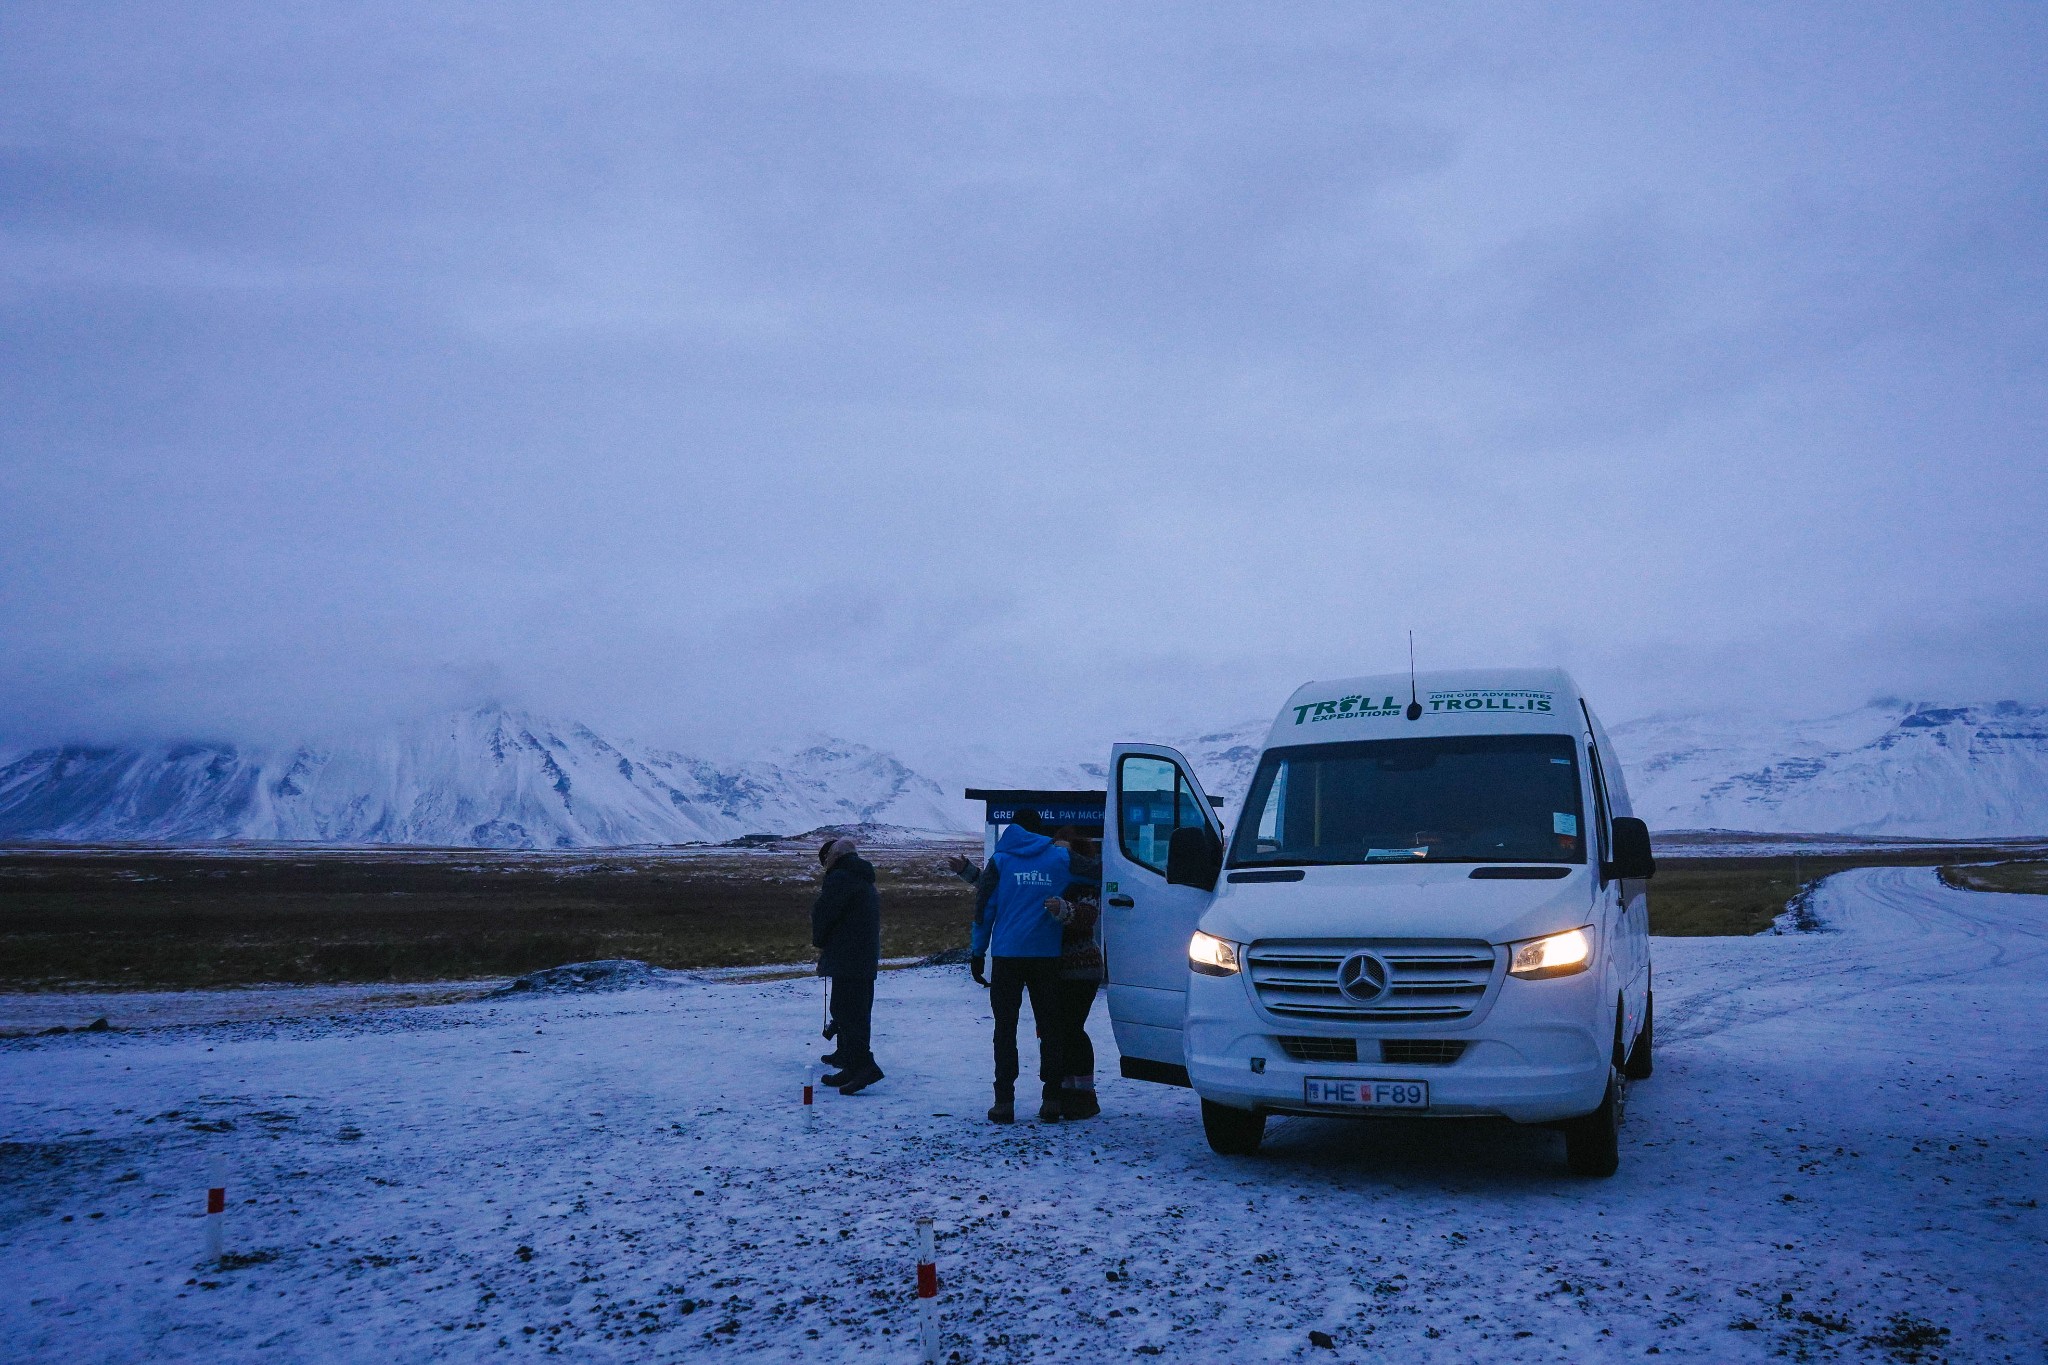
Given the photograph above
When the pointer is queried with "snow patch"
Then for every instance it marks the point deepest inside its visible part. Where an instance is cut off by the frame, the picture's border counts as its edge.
(612, 974)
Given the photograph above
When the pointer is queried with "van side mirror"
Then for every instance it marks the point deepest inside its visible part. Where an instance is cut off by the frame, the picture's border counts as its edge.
(1194, 857)
(1633, 860)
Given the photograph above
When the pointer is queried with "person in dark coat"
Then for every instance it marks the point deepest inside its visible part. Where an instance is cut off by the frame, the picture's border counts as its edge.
(1078, 908)
(846, 929)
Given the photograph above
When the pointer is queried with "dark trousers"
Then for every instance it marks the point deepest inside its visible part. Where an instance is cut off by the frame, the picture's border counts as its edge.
(853, 1010)
(1077, 1052)
(1011, 978)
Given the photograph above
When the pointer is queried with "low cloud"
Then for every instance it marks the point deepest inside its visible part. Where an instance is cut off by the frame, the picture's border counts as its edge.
(934, 375)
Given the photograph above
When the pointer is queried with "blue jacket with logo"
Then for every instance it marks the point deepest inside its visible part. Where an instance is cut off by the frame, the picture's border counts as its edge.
(1011, 920)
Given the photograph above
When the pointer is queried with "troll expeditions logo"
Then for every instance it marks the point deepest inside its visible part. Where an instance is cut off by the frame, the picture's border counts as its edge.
(1346, 708)
(1479, 699)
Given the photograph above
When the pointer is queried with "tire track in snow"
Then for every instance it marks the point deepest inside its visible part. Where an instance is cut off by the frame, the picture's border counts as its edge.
(1889, 929)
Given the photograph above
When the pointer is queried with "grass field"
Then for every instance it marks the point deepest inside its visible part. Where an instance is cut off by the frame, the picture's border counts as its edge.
(2029, 876)
(129, 918)
(187, 919)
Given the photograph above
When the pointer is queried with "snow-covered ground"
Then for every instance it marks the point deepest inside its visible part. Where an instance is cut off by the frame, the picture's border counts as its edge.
(1842, 1156)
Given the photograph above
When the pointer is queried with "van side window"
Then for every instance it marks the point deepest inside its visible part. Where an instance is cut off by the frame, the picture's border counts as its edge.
(1153, 800)
(1601, 820)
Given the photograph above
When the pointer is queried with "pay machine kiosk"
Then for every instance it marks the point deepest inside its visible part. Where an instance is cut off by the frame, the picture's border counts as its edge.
(1054, 808)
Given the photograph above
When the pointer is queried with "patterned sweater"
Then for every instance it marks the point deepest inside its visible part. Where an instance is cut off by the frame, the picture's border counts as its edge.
(1079, 913)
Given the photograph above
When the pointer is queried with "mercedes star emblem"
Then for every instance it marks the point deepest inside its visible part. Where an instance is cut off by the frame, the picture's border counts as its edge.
(1363, 977)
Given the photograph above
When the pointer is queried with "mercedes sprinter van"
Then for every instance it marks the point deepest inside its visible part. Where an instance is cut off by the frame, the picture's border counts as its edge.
(1432, 903)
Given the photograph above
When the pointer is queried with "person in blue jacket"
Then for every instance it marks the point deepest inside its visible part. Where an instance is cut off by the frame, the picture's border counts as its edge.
(1011, 925)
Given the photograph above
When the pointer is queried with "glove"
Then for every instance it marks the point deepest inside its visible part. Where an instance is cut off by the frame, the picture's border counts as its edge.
(974, 968)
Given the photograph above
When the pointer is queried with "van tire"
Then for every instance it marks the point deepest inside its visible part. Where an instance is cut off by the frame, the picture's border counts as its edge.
(1592, 1142)
(1232, 1132)
(1639, 1063)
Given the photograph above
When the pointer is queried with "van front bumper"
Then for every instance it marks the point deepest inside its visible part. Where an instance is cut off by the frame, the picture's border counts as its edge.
(1541, 1052)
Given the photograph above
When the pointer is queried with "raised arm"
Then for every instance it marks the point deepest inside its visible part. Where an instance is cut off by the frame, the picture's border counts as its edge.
(984, 901)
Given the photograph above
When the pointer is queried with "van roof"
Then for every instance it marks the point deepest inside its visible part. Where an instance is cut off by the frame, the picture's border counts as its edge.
(1464, 701)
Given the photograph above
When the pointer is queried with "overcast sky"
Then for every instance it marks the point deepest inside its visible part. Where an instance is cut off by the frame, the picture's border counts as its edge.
(1011, 374)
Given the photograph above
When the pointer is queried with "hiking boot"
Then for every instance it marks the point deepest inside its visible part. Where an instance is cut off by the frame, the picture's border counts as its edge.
(1079, 1104)
(1003, 1111)
(1049, 1112)
(857, 1080)
(829, 1059)
(835, 1079)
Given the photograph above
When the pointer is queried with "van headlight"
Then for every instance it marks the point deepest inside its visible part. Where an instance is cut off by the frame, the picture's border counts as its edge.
(1554, 955)
(1212, 956)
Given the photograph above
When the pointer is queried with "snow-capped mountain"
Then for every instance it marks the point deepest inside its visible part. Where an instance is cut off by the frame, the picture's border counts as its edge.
(1888, 768)
(486, 778)
(503, 779)
(1226, 759)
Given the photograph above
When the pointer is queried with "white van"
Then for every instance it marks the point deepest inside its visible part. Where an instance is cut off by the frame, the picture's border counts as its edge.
(1432, 904)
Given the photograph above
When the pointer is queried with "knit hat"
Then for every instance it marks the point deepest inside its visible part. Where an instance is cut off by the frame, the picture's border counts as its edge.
(834, 849)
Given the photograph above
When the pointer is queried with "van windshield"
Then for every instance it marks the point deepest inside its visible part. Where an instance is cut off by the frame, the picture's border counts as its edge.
(1466, 799)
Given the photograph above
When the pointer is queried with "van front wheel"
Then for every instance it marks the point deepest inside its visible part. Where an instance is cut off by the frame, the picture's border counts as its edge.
(1592, 1142)
(1232, 1132)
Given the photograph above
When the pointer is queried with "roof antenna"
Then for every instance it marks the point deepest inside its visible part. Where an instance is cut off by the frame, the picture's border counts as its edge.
(1414, 701)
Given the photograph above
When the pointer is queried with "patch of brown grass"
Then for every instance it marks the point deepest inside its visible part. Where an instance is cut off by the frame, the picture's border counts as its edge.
(2029, 878)
(158, 919)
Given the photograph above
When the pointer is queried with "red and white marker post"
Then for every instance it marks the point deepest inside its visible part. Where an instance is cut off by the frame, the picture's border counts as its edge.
(216, 1212)
(810, 1091)
(928, 1289)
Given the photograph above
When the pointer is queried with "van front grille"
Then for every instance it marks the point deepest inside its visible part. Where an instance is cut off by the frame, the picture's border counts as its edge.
(1425, 980)
(1321, 1049)
(1421, 1051)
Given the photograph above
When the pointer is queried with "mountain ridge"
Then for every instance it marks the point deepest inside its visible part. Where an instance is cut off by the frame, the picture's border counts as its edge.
(492, 777)
(1890, 767)
(486, 777)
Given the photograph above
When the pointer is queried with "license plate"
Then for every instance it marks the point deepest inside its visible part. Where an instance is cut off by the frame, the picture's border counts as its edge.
(1365, 1094)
